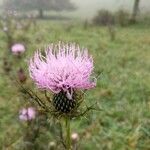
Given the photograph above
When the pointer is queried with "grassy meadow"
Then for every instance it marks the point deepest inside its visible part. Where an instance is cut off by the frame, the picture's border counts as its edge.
(122, 68)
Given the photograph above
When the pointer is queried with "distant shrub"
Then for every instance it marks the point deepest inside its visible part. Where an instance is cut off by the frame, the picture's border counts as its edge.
(104, 17)
(122, 17)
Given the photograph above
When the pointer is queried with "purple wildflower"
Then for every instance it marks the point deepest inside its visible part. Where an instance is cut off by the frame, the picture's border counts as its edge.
(18, 49)
(63, 67)
(27, 114)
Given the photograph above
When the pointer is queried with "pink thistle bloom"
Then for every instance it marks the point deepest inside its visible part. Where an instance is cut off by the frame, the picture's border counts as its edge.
(27, 114)
(18, 49)
(64, 67)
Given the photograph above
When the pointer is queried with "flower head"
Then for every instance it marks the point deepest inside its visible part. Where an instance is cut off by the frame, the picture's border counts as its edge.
(27, 114)
(63, 69)
(18, 49)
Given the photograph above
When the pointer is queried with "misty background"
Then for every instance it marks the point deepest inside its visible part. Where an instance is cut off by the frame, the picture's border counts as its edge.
(88, 8)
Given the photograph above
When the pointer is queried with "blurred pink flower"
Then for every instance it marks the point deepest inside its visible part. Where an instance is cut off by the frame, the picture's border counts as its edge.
(18, 49)
(64, 67)
(27, 114)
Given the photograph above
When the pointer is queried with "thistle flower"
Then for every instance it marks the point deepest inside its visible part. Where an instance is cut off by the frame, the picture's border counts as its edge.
(27, 114)
(18, 49)
(64, 69)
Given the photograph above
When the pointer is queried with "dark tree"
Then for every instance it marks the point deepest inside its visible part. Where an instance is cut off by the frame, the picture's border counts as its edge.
(40, 5)
(135, 11)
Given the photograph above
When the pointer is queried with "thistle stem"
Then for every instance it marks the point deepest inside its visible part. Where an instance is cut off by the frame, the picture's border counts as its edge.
(68, 140)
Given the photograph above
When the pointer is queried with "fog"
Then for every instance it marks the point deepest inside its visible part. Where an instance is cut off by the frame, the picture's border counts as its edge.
(87, 8)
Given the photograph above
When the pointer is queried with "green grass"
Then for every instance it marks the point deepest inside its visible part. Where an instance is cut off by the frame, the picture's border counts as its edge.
(123, 85)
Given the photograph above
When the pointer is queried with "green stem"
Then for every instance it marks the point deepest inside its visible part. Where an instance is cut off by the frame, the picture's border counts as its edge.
(68, 140)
